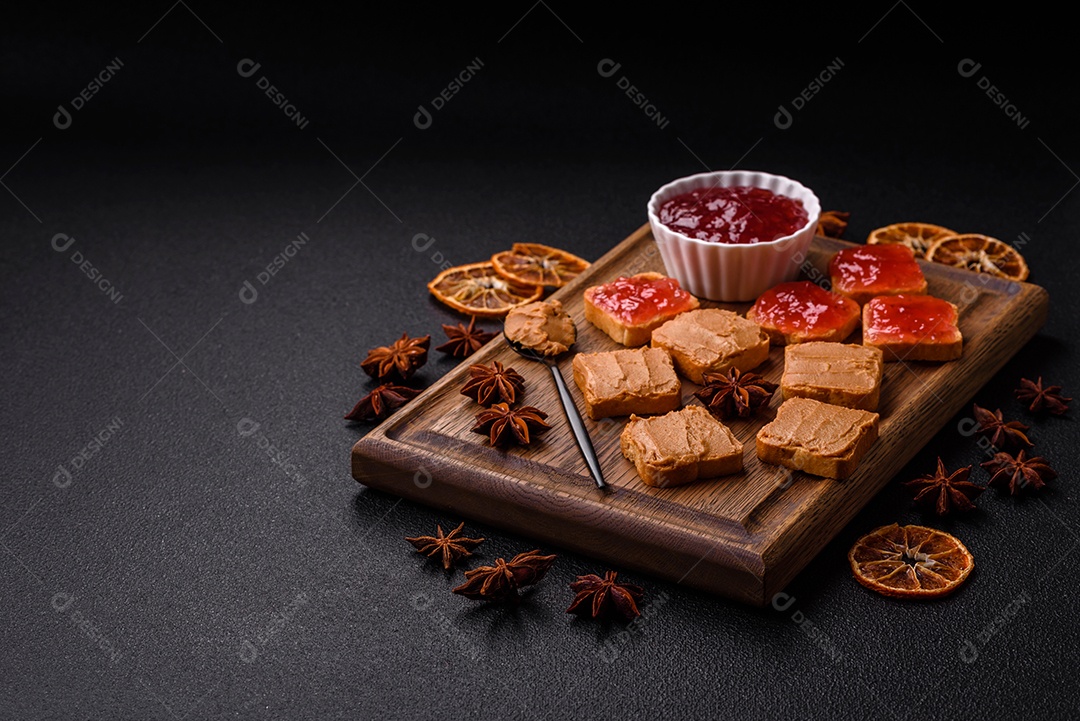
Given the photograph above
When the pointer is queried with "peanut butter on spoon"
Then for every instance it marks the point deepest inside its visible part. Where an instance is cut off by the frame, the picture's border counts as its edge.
(543, 326)
(541, 331)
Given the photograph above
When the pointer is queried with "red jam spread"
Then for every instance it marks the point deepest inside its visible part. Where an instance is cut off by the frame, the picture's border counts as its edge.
(637, 300)
(803, 308)
(738, 214)
(876, 270)
(909, 319)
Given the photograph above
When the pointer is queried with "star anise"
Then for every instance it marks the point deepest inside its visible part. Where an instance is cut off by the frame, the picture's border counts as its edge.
(464, 341)
(1019, 472)
(832, 223)
(944, 492)
(506, 426)
(493, 384)
(735, 394)
(603, 598)
(452, 546)
(1040, 398)
(501, 582)
(398, 360)
(381, 402)
(1002, 434)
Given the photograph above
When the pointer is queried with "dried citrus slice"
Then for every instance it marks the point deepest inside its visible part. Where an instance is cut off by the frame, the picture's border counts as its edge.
(979, 253)
(535, 264)
(910, 562)
(917, 236)
(477, 289)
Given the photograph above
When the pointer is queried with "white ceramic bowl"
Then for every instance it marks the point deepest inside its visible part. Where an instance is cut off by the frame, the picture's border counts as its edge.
(732, 272)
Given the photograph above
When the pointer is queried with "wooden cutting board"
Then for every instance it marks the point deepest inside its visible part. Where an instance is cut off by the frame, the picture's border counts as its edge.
(743, 536)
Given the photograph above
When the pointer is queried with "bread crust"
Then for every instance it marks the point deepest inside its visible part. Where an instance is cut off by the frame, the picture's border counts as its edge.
(862, 297)
(747, 358)
(628, 400)
(797, 456)
(629, 335)
(866, 399)
(837, 397)
(860, 293)
(918, 349)
(680, 471)
(925, 351)
(778, 337)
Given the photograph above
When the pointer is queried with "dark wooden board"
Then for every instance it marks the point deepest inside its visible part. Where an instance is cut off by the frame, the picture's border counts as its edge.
(743, 536)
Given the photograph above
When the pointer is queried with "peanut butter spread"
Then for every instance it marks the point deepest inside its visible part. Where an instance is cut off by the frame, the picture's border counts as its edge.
(542, 326)
(833, 366)
(818, 428)
(623, 373)
(709, 336)
(680, 437)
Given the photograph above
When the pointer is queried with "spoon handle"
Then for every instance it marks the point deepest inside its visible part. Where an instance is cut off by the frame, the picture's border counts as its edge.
(582, 435)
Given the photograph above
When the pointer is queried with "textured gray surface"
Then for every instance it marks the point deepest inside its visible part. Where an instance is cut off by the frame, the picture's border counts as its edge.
(181, 572)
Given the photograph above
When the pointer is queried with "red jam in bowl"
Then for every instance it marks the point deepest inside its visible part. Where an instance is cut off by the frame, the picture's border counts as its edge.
(737, 214)
(639, 299)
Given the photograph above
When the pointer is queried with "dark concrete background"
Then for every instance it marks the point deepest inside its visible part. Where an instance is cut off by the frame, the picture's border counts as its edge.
(178, 571)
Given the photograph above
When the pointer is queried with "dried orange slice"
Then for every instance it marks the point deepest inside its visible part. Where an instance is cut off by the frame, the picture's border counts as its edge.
(979, 253)
(535, 264)
(917, 236)
(477, 289)
(910, 562)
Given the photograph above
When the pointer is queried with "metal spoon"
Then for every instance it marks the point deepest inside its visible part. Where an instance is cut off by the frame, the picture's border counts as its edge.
(572, 415)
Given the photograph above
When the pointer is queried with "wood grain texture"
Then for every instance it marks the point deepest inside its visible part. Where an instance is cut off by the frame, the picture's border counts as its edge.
(743, 536)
